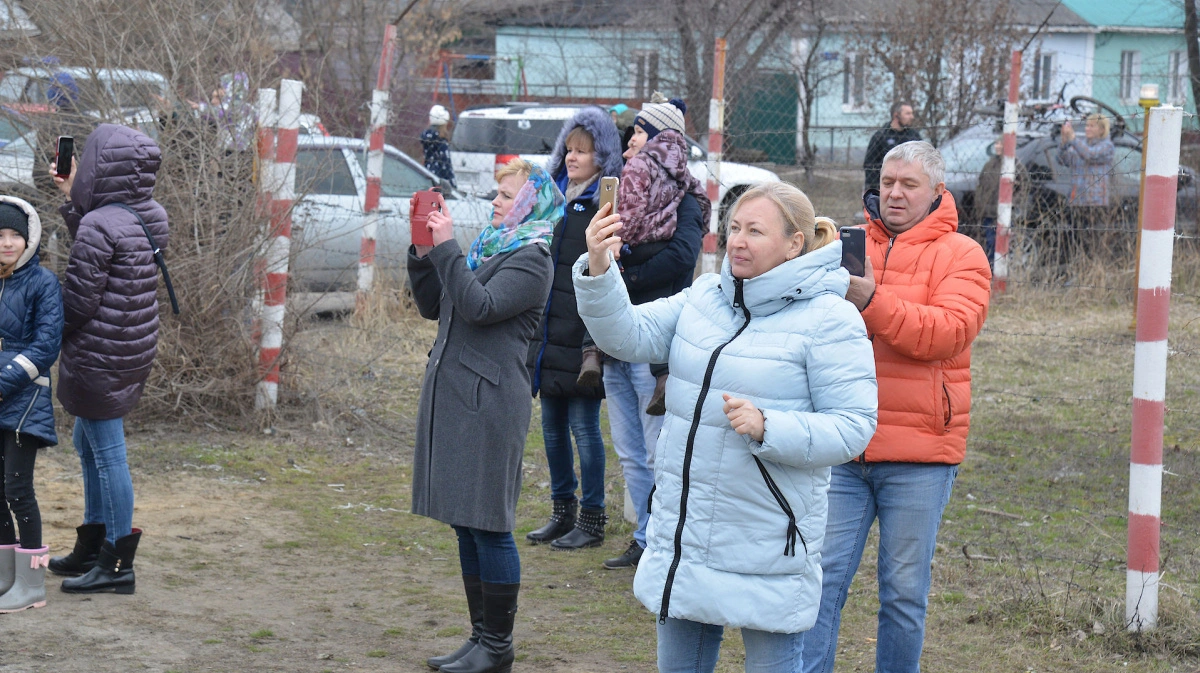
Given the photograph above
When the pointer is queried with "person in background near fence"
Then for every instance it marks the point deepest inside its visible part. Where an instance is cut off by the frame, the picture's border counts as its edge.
(624, 117)
(899, 130)
(437, 147)
(1091, 162)
(31, 322)
(922, 316)
(474, 410)
(987, 196)
(110, 338)
(771, 383)
(665, 212)
(587, 149)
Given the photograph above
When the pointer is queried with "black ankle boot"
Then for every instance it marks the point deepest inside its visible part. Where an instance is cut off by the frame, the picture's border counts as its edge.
(88, 539)
(494, 652)
(474, 589)
(588, 532)
(113, 572)
(562, 520)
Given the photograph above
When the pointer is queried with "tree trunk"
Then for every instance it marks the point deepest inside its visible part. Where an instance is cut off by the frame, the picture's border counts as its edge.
(1190, 31)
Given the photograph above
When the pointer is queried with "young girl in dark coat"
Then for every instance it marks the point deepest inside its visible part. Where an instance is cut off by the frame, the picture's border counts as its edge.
(31, 322)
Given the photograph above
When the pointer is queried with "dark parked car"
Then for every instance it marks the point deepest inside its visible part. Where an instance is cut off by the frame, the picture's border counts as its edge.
(1050, 180)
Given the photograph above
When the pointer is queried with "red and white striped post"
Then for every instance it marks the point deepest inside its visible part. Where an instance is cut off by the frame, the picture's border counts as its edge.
(716, 130)
(1150, 367)
(265, 147)
(283, 190)
(1008, 173)
(379, 120)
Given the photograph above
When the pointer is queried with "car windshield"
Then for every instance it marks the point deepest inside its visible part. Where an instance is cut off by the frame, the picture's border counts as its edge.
(967, 154)
(505, 136)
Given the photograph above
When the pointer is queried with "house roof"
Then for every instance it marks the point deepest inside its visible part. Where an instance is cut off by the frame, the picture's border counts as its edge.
(572, 13)
(1033, 12)
(1138, 14)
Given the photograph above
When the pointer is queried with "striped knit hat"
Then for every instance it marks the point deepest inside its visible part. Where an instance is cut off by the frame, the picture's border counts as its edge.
(661, 114)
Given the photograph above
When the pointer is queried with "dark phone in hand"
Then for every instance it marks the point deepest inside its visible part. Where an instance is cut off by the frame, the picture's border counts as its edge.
(854, 250)
(66, 150)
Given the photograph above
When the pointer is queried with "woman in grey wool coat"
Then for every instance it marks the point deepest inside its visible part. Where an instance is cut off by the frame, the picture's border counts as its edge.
(475, 407)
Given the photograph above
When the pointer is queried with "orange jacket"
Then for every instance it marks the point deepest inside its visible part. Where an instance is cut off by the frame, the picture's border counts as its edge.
(932, 287)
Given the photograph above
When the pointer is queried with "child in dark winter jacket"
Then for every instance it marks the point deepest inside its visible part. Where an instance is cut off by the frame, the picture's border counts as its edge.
(31, 323)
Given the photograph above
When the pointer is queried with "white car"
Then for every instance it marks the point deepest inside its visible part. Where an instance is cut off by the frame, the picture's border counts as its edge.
(486, 137)
(118, 95)
(327, 220)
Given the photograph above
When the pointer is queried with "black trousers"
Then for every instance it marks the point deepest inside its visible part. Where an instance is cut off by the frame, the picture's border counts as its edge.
(16, 491)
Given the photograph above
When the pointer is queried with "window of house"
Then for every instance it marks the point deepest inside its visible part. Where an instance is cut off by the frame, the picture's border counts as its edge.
(1177, 73)
(645, 74)
(1043, 76)
(1131, 76)
(853, 83)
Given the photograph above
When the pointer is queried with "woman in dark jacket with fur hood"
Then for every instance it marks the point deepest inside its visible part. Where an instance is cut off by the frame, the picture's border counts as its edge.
(110, 337)
(588, 148)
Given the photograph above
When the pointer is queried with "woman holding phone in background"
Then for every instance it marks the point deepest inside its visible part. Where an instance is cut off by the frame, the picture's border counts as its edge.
(474, 413)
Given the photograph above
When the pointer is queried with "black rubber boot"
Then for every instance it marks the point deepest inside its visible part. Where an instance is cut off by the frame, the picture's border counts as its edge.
(88, 539)
(474, 589)
(562, 520)
(591, 369)
(113, 572)
(588, 532)
(494, 652)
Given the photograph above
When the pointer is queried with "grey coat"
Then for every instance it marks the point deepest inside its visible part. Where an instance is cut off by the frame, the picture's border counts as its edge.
(475, 405)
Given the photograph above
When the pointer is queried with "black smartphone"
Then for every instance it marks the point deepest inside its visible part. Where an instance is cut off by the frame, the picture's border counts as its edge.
(854, 250)
(66, 151)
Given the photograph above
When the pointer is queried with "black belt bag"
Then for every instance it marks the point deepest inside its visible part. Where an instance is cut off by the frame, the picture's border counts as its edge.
(158, 257)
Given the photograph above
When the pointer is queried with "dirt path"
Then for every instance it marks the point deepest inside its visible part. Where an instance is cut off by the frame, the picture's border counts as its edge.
(223, 585)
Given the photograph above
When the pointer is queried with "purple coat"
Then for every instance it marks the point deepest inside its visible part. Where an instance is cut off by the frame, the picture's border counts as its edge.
(110, 291)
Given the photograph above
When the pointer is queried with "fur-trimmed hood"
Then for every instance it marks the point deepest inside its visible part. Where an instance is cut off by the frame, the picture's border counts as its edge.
(605, 137)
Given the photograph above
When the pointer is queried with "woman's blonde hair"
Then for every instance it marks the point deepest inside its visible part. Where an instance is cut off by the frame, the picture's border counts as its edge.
(581, 136)
(1101, 120)
(796, 211)
(517, 166)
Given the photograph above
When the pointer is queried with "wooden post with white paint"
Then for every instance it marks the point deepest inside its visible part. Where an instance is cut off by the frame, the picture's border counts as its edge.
(380, 102)
(716, 130)
(1008, 173)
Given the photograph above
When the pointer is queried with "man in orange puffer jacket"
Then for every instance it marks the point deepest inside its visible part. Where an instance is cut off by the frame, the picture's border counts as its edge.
(924, 298)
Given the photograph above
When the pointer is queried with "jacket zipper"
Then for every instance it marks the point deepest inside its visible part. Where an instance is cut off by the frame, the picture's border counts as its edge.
(793, 532)
(37, 391)
(738, 302)
(949, 407)
(862, 457)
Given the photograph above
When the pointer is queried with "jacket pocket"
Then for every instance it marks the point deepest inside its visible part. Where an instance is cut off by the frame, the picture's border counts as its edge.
(483, 368)
(755, 531)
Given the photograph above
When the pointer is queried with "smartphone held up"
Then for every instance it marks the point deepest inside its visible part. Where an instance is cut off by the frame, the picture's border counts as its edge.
(608, 192)
(854, 250)
(420, 206)
(62, 160)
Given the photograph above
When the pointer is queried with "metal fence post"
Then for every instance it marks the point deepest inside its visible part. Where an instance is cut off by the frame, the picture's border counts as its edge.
(279, 245)
(1008, 173)
(1150, 367)
(716, 126)
(379, 120)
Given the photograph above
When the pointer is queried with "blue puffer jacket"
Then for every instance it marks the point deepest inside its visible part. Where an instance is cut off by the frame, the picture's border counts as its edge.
(736, 526)
(31, 323)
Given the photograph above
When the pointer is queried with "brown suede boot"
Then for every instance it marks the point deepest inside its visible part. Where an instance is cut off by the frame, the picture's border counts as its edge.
(592, 370)
(658, 401)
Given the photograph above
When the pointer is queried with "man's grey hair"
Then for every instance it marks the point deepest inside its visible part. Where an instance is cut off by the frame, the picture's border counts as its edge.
(922, 153)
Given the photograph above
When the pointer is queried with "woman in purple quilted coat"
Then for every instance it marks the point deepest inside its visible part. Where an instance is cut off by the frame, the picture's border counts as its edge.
(110, 336)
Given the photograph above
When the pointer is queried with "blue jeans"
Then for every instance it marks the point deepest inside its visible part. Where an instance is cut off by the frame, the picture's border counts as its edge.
(578, 416)
(629, 388)
(107, 486)
(691, 647)
(489, 554)
(908, 499)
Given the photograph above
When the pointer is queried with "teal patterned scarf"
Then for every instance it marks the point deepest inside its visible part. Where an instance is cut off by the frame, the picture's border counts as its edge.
(536, 209)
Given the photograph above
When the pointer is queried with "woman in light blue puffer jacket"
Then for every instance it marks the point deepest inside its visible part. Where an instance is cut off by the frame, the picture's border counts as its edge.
(772, 382)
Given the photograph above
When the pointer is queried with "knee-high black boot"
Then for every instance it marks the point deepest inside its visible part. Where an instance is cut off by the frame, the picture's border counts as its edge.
(474, 589)
(494, 651)
(88, 539)
(113, 572)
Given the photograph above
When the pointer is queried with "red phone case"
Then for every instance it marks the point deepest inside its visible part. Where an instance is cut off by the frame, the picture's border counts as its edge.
(419, 207)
